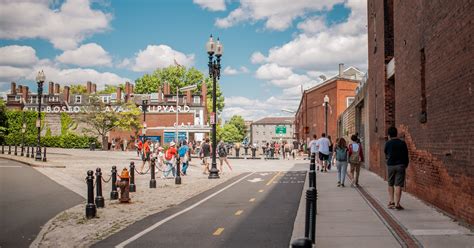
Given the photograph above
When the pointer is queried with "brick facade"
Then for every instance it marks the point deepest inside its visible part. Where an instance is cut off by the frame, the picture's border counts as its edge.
(429, 98)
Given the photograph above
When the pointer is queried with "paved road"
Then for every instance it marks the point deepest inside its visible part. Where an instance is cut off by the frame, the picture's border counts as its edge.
(256, 210)
(28, 200)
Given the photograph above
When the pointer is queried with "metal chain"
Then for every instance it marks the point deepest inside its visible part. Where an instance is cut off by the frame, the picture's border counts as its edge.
(108, 180)
(142, 173)
(163, 170)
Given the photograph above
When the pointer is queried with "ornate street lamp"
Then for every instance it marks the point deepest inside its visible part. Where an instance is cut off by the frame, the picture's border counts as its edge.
(326, 102)
(40, 78)
(214, 72)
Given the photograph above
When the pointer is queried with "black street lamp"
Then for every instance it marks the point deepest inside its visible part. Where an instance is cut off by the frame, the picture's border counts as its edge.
(144, 109)
(215, 73)
(40, 78)
(326, 102)
(23, 130)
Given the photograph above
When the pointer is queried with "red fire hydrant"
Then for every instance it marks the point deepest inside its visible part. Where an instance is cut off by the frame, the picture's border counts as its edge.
(124, 185)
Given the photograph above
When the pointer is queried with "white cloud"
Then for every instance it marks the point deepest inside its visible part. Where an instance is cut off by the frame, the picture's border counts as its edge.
(65, 27)
(257, 58)
(312, 25)
(20, 56)
(89, 54)
(212, 5)
(277, 14)
(273, 71)
(11, 73)
(159, 56)
(254, 109)
(232, 71)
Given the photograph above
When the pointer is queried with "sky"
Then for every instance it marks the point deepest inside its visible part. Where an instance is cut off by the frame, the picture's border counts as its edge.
(272, 48)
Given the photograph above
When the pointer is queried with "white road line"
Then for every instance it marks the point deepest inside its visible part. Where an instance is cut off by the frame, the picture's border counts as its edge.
(149, 229)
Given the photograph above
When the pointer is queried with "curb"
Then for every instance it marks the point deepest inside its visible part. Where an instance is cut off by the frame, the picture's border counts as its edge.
(32, 164)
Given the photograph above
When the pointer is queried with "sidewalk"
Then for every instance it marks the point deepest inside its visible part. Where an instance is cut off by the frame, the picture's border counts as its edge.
(347, 219)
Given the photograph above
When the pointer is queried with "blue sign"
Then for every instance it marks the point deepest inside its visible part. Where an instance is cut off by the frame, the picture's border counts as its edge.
(152, 138)
(171, 136)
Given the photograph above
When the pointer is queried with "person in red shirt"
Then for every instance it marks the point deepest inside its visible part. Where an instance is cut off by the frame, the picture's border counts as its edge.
(139, 146)
(146, 154)
(169, 160)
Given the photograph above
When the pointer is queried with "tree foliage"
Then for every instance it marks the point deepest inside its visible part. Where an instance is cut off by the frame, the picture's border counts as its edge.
(178, 77)
(230, 133)
(239, 123)
(78, 89)
(109, 89)
(3, 121)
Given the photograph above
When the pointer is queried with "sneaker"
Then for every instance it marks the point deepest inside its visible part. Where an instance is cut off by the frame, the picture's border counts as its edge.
(399, 207)
(342, 185)
(338, 184)
(357, 185)
(391, 205)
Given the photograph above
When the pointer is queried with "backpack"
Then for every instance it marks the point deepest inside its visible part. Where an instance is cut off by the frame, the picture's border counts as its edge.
(355, 157)
(341, 154)
(221, 151)
(168, 155)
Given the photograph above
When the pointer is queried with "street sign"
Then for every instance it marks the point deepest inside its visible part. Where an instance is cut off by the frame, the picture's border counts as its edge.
(213, 118)
(280, 129)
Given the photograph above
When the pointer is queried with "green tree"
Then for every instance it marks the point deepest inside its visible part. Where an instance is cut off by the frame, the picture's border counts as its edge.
(177, 77)
(109, 89)
(230, 133)
(67, 124)
(239, 123)
(3, 121)
(78, 89)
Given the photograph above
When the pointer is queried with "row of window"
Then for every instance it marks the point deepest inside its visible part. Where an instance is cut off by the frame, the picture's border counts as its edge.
(104, 99)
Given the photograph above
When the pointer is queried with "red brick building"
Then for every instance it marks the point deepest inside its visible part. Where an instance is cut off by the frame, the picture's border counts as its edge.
(421, 69)
(310, 116)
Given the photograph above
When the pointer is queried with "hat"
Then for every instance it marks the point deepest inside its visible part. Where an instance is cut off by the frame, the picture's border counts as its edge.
(172, 143)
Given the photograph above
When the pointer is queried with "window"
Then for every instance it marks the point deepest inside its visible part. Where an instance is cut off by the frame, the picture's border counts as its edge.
(78, 99)
(53, 98)
(105, 99)
(17, 98)
(349, 101)
(197, 99)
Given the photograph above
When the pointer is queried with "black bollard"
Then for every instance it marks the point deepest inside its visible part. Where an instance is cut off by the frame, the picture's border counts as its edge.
(133, 187)
(237, 151)
(9, 149)
(310, 220)
(32, 154)
(246, 150)
(99, 199)
(21, 149)
(44, 154)
(152, 180)
(27, 151)
(16, 152)
(301, 243)
(90, 207)
(114, 193)
(312, 172)
(3, 149)
(177, 179)
(254, 150)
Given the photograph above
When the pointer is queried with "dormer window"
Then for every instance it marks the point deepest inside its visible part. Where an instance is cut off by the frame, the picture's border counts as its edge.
(77, 99)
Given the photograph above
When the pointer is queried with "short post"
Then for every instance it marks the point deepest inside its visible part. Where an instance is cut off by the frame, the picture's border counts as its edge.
(310, 222)
(237, 151)
(32, 154)
(3, 149)
(27, 151)
(301, 243)
(177, 179)
(9, 149)
(246, 148)
(152, 179)
(16, 150)
(254, 150)
(114, 193)
(312, 172)
(99, 199)
(44, 154)
(21, 150)
(90, 207)
(133, 187)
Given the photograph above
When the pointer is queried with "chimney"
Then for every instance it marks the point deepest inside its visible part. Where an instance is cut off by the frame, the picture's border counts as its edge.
(66, 94)
(56, 89)
(160, 94)
(131, 88)
(341, 69)
(127, 91)
(119, 94)
(20, 89)
(25, 93)
(168, 89)
(188, 97)
(89, 87)
(13, 88)
(204, 94)
(165, 88)
(94, 88)
(51, 88)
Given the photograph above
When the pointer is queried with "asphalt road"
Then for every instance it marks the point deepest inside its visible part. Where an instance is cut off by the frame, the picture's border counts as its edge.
(256, 211)
(28, 200)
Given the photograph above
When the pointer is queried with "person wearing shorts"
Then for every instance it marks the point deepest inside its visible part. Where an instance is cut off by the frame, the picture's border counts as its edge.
(396, 153)
(323, 149)
(206, 153)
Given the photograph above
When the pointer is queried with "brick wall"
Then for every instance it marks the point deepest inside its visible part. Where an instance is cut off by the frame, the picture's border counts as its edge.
(434, 71)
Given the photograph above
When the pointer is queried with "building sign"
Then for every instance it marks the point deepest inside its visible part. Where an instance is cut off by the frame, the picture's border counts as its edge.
(213, 118)
(166, 109)
(171, 136)
(79, 109)
(280, 129)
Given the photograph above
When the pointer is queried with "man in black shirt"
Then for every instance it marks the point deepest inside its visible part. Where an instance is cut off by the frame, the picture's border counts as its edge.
(206, 153)
(396, 153)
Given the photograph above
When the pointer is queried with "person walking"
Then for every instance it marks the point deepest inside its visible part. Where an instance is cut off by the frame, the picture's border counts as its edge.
(146, 154)
(342, 155)
(331, 152)
(396, 153)
(139, 146)
(206, 154)
(356, 157)
(323, 148)
(313, 148)
(169, 160)
(296, 147)
(222, 156)
(184, 157)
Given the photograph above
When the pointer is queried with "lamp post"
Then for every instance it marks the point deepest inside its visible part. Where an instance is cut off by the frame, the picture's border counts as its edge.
(23, 130)
(144, 109)
(215, 73)
(326, 102)
(190, 87)
(40, 78)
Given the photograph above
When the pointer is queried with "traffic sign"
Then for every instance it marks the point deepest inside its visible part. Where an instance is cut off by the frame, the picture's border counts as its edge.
(280, 129)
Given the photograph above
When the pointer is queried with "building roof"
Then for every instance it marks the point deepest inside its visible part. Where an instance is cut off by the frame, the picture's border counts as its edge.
(275, 120)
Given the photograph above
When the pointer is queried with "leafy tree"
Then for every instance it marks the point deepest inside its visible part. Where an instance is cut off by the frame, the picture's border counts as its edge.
(3, 121)
(78, 89)
(67, 124)
(177, 77)
(239, 123)
(230, 133)
(109, 89)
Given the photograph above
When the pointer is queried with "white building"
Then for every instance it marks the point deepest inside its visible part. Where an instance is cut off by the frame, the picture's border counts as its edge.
(270, 129)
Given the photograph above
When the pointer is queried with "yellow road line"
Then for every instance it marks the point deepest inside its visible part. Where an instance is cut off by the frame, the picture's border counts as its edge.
(252, 200)
(218, 231)
(273, 178)
(239, 212)
(260, 191)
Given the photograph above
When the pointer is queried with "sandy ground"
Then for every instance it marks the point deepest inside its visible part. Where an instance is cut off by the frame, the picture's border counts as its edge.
(71, 229)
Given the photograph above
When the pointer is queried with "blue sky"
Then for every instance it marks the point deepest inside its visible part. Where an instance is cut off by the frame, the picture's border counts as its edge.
(271, 48)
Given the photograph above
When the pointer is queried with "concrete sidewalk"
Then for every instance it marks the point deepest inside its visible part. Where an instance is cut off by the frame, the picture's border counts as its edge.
(346, 218)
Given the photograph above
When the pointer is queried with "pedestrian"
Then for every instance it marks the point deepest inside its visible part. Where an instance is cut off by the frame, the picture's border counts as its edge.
(206, 154)
(323, 149)
(113, 144)
(288, 150)
(342, 155)
(296, 146)
(396, 153)
(184, 157)
(139, 146)
(331, 151)
(356, 157)
(146, 155)
(222, 156)
(160, 158)
(125, 144)
(313, 148)
(169, 159)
